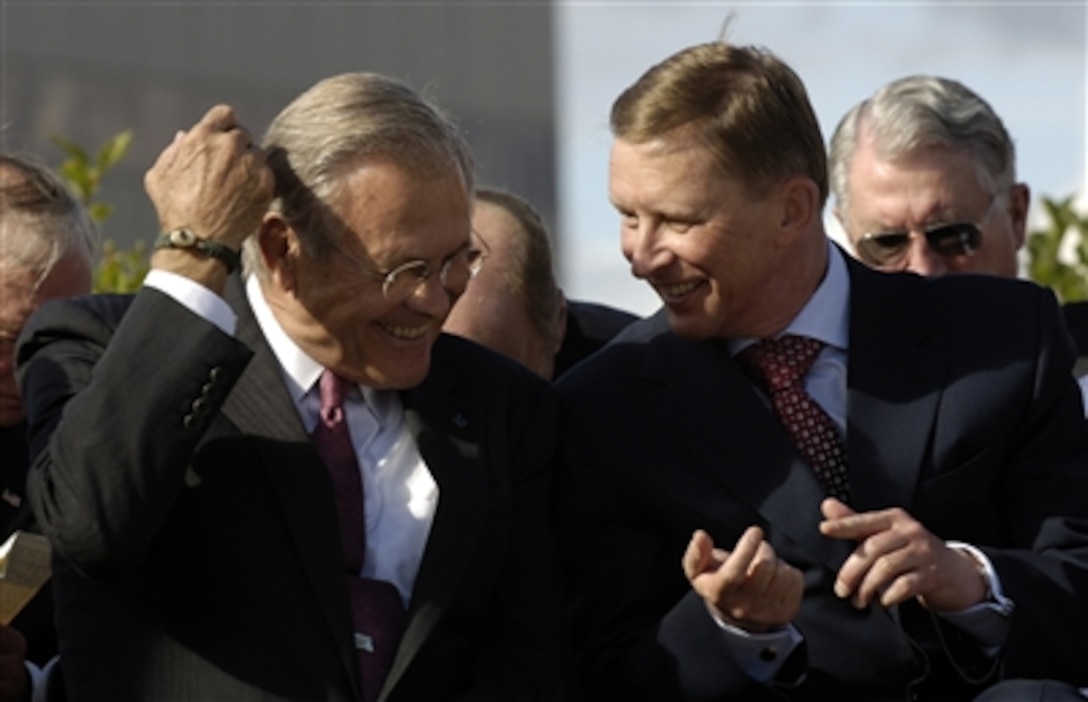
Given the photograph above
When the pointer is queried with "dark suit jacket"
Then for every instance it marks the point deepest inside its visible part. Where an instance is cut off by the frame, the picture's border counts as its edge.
(35, 620)
(961, 409)
(589, 327)
(1076, 318)
(197, 529)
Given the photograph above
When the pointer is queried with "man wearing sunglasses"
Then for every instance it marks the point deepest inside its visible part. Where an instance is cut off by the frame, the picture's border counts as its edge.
(924, 179)
(292, 485)
(804, 479)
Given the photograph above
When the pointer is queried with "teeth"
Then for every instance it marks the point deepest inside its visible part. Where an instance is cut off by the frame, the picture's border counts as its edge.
(406, 332)
(678, 289)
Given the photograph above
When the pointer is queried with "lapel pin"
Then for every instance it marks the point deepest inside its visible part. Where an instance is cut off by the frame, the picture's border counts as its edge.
(363, 642)
(460, 421)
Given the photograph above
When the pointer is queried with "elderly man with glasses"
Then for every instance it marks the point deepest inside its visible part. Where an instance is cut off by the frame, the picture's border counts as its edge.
(924, 179)
(294, 486)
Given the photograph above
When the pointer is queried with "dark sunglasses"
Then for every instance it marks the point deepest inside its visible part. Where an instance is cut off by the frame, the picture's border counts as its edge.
(889, 249)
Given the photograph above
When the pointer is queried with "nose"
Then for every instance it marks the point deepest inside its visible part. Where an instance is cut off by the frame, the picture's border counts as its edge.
(432, 297)
(923, 260)
(641, 249)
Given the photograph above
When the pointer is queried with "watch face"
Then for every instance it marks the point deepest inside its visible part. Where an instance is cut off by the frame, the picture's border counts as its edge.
(183, 238)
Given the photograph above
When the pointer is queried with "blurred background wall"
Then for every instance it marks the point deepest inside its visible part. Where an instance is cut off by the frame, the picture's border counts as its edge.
(87, 70)
(531, 81)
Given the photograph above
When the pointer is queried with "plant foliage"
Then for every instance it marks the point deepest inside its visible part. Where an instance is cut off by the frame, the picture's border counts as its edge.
(119, 270)
(1058, 252)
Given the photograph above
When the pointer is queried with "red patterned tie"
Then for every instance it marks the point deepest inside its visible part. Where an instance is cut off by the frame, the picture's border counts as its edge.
(376, 609)
(779, 366)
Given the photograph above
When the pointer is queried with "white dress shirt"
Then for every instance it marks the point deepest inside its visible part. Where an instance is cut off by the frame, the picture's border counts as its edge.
(401, 495)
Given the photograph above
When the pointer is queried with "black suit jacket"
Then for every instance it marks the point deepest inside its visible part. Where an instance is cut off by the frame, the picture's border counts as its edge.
(200, 555)
(35, 620)
(589, 327)
(961, 409)
(1076, 318)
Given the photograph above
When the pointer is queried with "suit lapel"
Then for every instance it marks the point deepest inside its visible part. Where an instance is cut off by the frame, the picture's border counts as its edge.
(893, 386)
(718, 417)
(448, 440)
(260, 407)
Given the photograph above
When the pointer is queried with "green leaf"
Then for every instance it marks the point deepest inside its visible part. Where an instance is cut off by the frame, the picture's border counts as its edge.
(114, 150)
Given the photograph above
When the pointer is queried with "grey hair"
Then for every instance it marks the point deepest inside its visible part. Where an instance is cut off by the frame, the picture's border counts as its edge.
(334, 125)
(41, 221)
(919, 112)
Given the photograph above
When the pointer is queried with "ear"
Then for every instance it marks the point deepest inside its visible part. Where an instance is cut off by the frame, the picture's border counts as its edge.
(799, 200)
(1019, 200)
(280, 248)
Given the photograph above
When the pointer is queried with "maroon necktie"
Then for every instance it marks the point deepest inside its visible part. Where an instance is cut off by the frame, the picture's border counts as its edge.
(376, 609)
(779, 366)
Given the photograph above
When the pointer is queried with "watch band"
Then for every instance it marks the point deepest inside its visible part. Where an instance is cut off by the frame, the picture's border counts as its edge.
(185, 238)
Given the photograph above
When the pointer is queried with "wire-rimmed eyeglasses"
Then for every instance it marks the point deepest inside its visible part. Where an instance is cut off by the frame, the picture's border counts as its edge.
(400, 282)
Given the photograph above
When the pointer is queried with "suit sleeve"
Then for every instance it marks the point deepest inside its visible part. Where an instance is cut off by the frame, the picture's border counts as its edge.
(622, 574)
(116, 404)
(1042, 498)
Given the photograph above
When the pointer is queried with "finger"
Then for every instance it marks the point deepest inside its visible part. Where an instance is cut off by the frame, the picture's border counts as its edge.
(905, 587)
(220, 118)
(762, 570)
(856, 526)
(892, 560)
(746, 548)
(734, 570)
(871, 566)
(697, 555)
(834, 508)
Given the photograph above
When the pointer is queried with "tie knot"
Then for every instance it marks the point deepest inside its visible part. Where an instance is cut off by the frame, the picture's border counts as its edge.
(333, 389)
(780, 363)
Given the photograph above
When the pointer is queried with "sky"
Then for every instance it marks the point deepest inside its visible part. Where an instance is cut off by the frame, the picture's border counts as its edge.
(1029, 60)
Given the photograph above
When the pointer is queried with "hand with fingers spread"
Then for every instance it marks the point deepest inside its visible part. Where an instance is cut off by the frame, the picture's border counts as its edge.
(750, 587)
(212, 180)
(897, 558)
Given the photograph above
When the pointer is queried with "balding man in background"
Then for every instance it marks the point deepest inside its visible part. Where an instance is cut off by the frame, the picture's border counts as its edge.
(47, 248)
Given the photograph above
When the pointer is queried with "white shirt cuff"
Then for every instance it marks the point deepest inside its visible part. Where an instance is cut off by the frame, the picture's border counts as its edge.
(988, 621)
(195, 297)
(761, 656)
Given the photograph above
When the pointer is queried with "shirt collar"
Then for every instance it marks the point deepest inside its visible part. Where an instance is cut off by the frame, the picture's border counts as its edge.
(826, 315)
(300, 371)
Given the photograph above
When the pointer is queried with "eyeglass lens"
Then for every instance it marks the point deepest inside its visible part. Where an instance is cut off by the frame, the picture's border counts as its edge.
(454, 274)
(949, 240)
